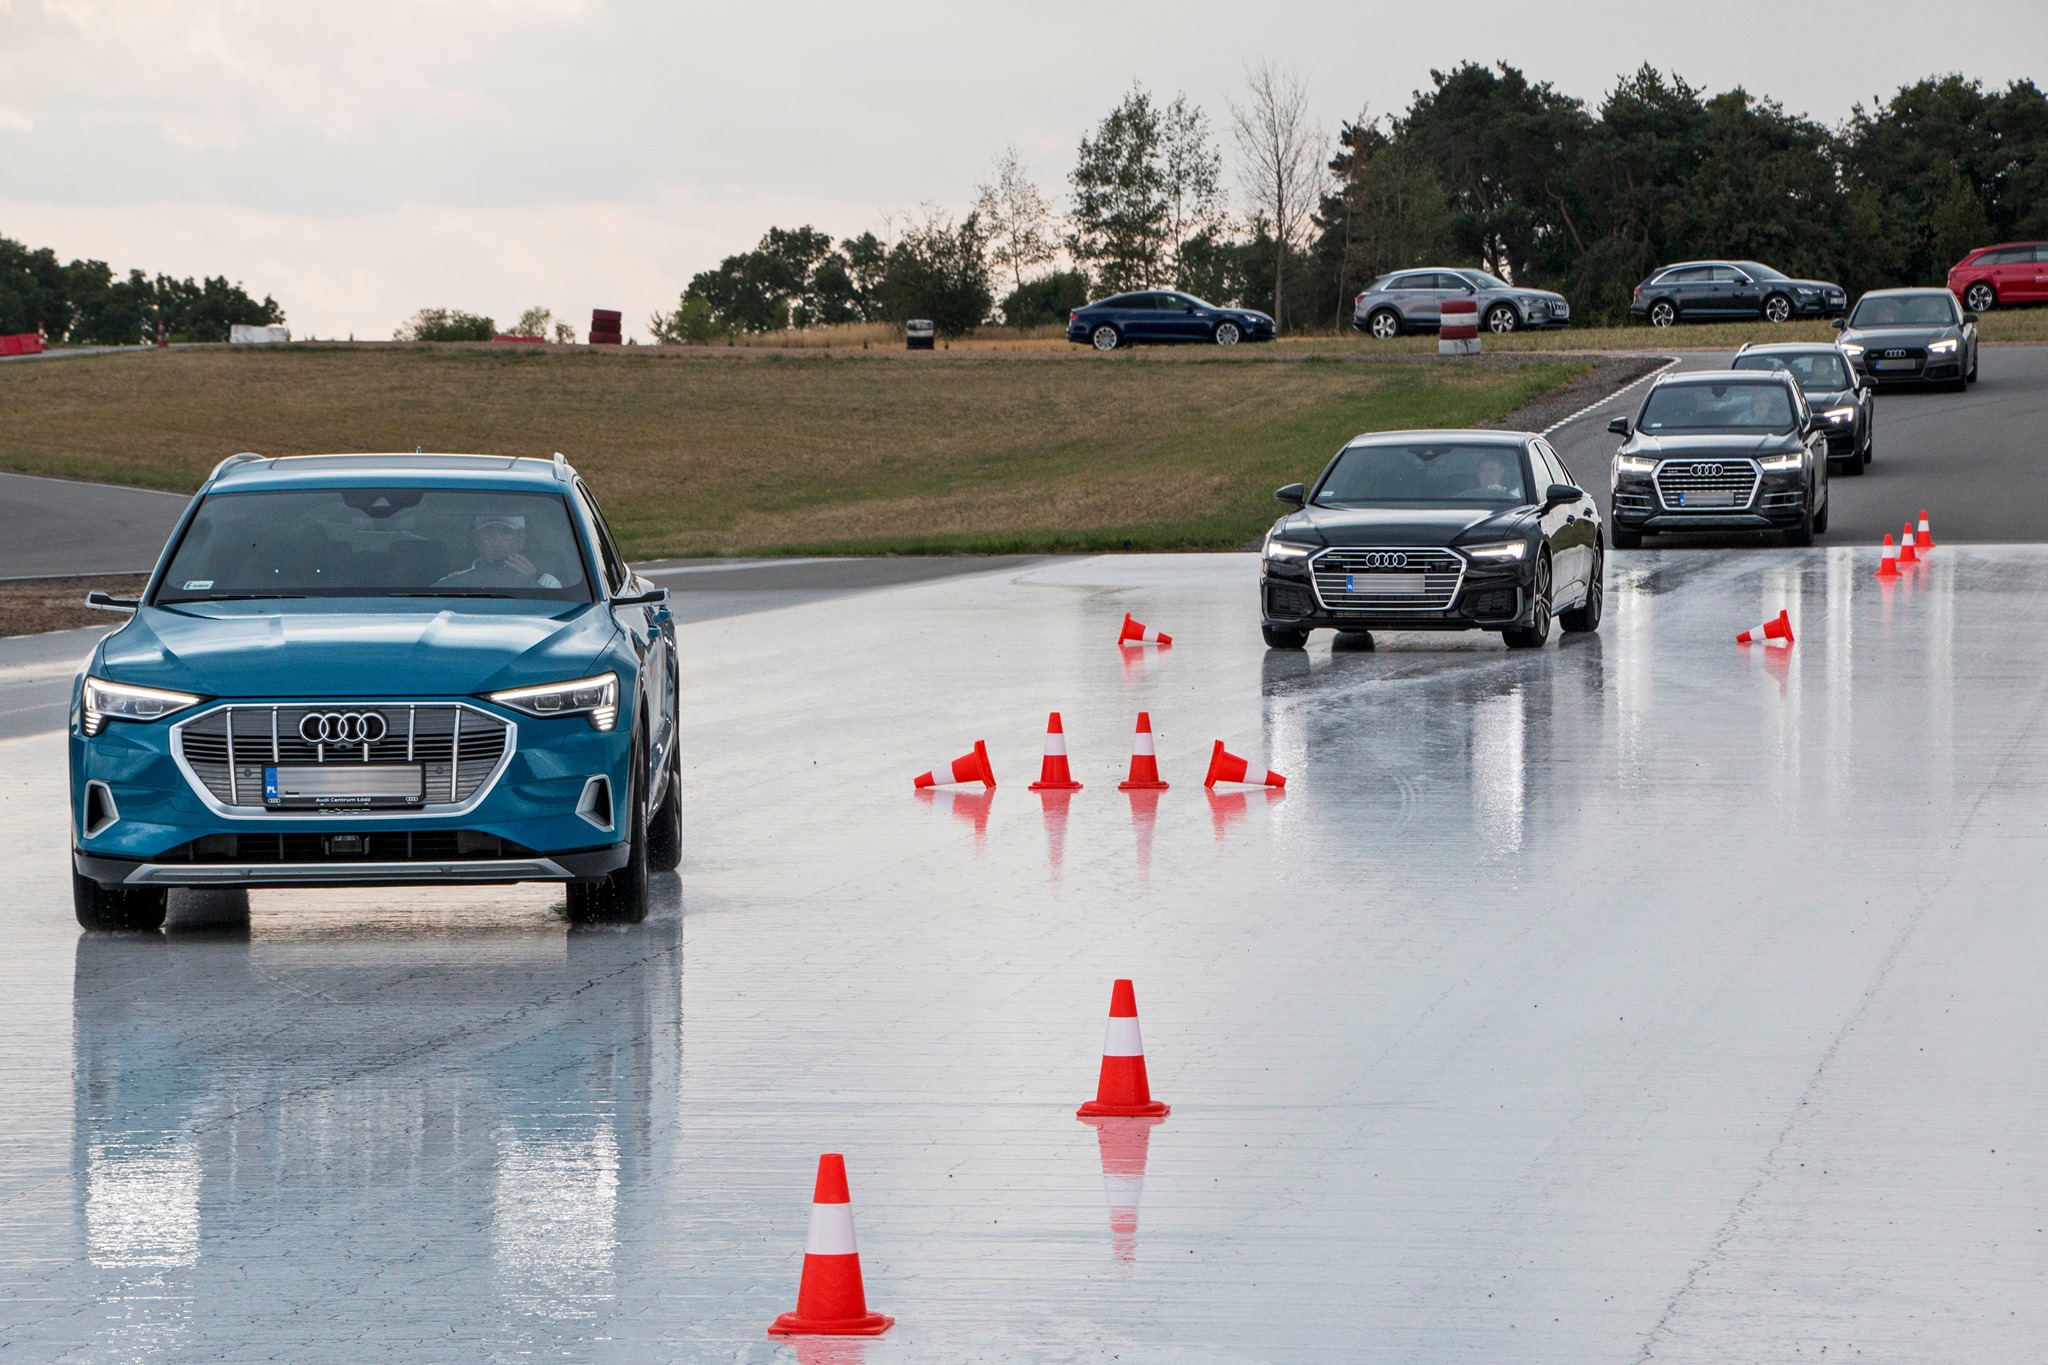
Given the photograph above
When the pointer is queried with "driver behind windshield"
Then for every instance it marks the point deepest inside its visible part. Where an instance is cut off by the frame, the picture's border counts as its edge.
(1490, 482)
(501, 560)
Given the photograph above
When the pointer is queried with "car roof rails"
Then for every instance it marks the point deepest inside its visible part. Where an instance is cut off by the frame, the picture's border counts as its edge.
(240, 458)
(562, 469)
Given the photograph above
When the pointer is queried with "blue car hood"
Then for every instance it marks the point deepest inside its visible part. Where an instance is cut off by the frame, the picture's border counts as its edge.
(351, 647)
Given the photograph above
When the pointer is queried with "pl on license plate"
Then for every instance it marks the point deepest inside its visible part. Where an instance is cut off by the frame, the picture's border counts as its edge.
(344, 784)
(1385, 584)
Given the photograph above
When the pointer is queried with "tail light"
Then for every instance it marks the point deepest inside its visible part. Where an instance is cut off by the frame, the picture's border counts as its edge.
(1073, 317)
(1359, 299)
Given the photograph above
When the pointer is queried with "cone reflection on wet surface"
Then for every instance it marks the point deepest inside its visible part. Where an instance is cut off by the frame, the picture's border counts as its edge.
(1124, 1144)
(1144, 818)
(969, 805)
(1227, 810)
(1053, 804)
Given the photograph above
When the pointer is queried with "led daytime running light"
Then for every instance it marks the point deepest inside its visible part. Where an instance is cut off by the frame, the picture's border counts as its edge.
(596, 697)
(104, 701)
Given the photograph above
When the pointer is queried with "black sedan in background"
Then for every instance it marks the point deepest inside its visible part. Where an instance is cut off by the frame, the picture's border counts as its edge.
(1163, 316)
(1710, 291)
(1720, 451)
(1435, 530)
(1911, 337)
(1844, 403)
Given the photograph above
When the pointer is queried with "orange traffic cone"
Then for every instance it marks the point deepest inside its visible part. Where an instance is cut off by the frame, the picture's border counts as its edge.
(972, 766)
(1888, 567)
(1925, 540)
(1144, 760)
(1138, 633)
(1225, 766)
(1052, 773)
(1779, 630)
(1122, 1091)
(1906, 555)
(830, 1301)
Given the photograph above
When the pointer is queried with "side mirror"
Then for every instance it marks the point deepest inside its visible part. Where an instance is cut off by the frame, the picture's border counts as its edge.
(100, 601)
(1969, 318)
(1559, 493)
(653, 597)
(1618, 425)
(1294, 495)
(1839, 323)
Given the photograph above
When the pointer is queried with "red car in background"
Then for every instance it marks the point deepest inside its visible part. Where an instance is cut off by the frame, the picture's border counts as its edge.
(1991, 276)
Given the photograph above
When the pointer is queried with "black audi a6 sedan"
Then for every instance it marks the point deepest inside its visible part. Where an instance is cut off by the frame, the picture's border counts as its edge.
(1162, 315)
(1844, 402)
(1704, 291)
(1910, 337)
(1721, 451)
(1435, 530)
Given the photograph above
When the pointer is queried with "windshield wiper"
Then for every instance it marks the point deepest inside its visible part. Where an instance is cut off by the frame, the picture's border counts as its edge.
(492, 596)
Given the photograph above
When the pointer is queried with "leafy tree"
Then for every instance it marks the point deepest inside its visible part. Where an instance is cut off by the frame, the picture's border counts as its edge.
(1018, 219)
(83, 303)
(692, 324)
(1191, 172)
(446, 324)
(1045, 299)
(939, 270)
(534, 322)
(1387, 210)
(1120, 217)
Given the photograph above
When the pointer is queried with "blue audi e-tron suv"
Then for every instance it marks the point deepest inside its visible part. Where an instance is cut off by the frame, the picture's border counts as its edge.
(379, 670)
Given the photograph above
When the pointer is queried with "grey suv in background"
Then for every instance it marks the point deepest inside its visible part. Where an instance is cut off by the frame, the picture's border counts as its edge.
(1413, 301)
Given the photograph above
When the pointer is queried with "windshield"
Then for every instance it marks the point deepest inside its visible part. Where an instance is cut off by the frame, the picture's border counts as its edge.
(1817, 372)
(1717, 407)
(377, 542)
(1904, 310)
(1484, 280)
(1432, 474)
(1761, 272)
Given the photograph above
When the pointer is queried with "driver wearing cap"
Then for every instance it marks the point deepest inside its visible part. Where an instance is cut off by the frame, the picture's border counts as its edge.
(501, 561)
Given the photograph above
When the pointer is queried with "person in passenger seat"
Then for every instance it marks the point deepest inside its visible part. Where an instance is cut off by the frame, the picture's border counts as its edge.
(501, 560)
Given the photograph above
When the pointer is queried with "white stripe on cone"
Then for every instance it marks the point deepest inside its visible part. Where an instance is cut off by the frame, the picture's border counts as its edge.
(1055, 744)
(1143, 745)
(831, 1231)
(1122, 1039)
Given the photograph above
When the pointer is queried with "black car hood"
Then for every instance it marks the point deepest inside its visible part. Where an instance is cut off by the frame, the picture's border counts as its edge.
(1694, 445)
(1878, 338)
(1401, 526)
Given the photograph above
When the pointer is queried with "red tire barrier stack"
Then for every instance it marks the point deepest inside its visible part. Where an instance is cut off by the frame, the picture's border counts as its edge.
(524, 341)
(604, 327)
(22, 343)
(1459, 332)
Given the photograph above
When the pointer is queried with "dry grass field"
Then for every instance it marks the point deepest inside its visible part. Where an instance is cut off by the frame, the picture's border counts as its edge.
(697, 451)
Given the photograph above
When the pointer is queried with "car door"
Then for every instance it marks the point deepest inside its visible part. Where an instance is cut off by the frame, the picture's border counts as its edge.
(1690, 291)
(2030, 273)
(1736, 293)
(1414, 296)
(646, 627)
(1182, 320)
(1575, 534)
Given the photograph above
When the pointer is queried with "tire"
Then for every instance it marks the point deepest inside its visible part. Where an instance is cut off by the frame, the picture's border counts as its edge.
(118, 909)
(1352, 642)
(1820, 519)
(1228, 334)
(1801, 536)
(1663, 313)
(1384, 324)
(1777, 308)
(1980, 297)
(1971, 377)
(1537, 631)
(1584, 619)
(1281, 637)
(621, 897)
(1624, 538)
(665, 829)
(1105, 338)
(1502, 319)
(1852, 468)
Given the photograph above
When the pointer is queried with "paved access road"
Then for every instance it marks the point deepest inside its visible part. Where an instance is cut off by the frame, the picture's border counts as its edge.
(1637, 998)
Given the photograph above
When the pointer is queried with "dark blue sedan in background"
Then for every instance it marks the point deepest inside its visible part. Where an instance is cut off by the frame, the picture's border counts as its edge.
(1163, 316)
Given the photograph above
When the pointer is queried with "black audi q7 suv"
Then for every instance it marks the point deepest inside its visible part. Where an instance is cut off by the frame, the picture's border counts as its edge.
(1721, 451)
(1435, 530)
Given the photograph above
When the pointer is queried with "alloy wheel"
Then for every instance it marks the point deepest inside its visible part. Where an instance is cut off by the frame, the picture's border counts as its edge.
(1777, 308)
(1227, 334)
(1980, 297)
(1662, 314)
(1105, 338)
(1384, 325)
(1501, 319)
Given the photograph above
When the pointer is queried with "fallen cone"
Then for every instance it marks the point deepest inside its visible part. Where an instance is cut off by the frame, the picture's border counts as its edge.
(973, 766)
(830, 1301)
(1137, 632)
(1780, 629)
(1144, 760)
(1122, 1090)
(1888, 567)
(1225, 766)
(1053, 774)
(1925, 541)
(1906, 554)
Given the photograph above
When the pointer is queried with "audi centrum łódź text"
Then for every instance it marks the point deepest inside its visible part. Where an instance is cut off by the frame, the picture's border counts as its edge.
(1721, 451)
(379, 670)
(1435, 530)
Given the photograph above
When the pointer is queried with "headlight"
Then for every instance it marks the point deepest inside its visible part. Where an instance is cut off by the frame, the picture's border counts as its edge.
(1806, 293)
(1506, 549)
(1947, 347)
(1783, 462)
(597, 698)
(105, 701)
(1634, 464)
(1287, 550)
(1528, 302)
(1851, 350)
(1840, 415)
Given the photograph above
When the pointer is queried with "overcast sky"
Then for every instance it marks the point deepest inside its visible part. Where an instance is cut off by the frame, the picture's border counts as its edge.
(361, 160)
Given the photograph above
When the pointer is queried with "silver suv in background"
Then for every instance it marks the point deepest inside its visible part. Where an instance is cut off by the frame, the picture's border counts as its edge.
(1413, 300)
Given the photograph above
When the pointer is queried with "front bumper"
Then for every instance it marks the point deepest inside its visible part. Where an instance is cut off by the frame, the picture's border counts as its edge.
(1936, 369)
(552, 812)
(1488, 598)
(1778, 503)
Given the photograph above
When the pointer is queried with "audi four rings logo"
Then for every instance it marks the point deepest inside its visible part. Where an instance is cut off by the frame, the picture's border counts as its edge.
(1894, 355)
(341, 727)
(1386, 561)
(1707, 471)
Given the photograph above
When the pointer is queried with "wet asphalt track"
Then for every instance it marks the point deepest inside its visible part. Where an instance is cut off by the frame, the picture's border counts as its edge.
(1641, 998)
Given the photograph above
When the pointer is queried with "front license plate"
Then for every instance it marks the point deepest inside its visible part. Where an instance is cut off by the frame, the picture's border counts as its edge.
(1385, 584)
(1706, 500)
(1898, 364)
(344, 784)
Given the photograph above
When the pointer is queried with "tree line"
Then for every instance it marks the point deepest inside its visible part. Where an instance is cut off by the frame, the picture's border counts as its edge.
(83, 303)
(1486, 167)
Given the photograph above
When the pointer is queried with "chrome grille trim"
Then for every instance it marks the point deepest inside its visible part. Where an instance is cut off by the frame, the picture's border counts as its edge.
(1443, 573)
(216, 748)
(1738, 476)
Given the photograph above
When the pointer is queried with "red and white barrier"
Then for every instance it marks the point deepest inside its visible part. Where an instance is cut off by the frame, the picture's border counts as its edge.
(1458, 331)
